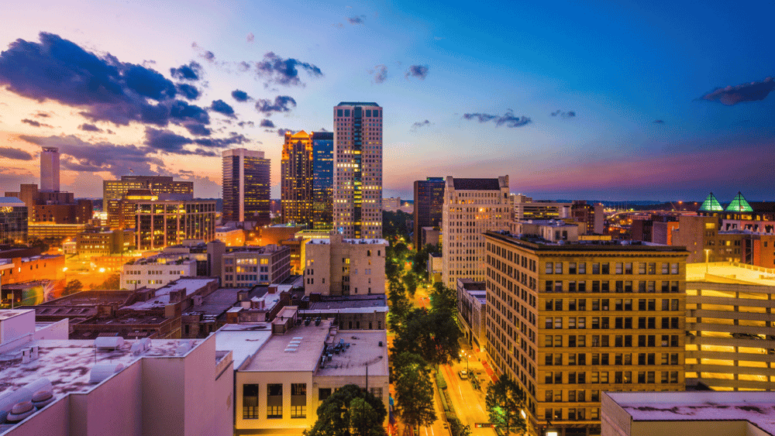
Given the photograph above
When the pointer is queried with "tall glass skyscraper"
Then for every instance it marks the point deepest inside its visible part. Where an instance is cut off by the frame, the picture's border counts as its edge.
(246, 184)
(358, 170)
(428, 206)
(323, 180)
(296, 181)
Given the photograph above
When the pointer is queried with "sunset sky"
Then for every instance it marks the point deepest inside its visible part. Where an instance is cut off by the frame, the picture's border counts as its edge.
(591, 100)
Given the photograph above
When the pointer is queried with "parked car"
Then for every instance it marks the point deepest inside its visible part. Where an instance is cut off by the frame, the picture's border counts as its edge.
(463, 374)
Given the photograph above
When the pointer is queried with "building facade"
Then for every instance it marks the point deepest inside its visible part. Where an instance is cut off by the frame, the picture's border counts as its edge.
(246, 185)
(49, 169)
(471, 207)
(358, 170)
(155, 272)
(338, 266)
(428, 206)
(162, 223)
(471, 308)
(569, 321)
(117, 189)
(104, 242)
(296, 183)
(13, 220)
(250, 266)
(525, 208)
(323, 180)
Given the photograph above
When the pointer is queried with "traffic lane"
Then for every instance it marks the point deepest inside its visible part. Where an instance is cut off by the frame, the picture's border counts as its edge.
(469, 403)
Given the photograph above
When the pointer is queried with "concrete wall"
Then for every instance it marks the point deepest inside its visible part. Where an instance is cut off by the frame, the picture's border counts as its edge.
(22, 323)
(53, 420)
(286, 379)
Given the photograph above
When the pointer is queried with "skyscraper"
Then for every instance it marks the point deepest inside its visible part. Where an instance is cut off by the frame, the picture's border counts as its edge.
(49, 169)
(471, 207)
(323, 180)
(428, 206)
(246, 186)
(358, 169)
(296, 192)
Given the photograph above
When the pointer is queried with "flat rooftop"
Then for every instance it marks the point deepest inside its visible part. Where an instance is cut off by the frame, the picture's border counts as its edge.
(244, 340)
(364, 351)
(757, 408)
(67, 363)
(327, 241)
(162, 297)
(89, 298)
(303, 355)
(730, 272)
(215, 304)
(537, 243)
(369, 302)
(10, 313)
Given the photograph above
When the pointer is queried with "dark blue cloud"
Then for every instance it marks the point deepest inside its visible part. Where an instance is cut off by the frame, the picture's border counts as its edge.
(417, 71)
(166, 141)
(187, 91)
(358, 19)
(380, 73)
(282, 103)
(15, 153)
(222, 107)
(234, 139)
(267, 123)
(192, 71)
(104, 88)
(86, 127)
(197, 129)
(563, 114)
(34, 123)
(419, 124)
(732, 95)
(284, 71)
(240, 96)
(508, 119)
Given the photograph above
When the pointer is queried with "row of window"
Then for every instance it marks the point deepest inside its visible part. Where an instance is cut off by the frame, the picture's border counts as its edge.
(572, 414)
(603, 323)
(605, 268)
(619, 286)
(579, 341)
(556, 304)
(602, 377)
(573, 359)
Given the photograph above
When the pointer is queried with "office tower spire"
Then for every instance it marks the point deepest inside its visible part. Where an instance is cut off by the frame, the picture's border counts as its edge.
(246, 186)
(49, 169)
(358, 169)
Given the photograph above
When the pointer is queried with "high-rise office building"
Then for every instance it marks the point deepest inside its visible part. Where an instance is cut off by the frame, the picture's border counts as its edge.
(471, 207)
(117, 189)
(13, 220)
(49, 169)
(428, 206)
(358, 170)
(296, 168)
(246, 178)
(569, 320)
(323, 180)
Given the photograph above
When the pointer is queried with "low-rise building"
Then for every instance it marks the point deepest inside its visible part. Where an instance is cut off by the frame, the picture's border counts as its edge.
(354, 312)
(688, 413)
(102, 242)
(471, 307)
(435, 267)
(337, 266)
(550, 230)
(232, 236)
(109, 386)
(249, 266)
(281, 379)
(161, 223)
(156, 271)
(55, 232)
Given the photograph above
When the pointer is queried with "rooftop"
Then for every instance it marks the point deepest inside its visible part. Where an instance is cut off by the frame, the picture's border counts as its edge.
(364, 350)
(327, 241)
(215, 304)
(730, 272)
(531, 242)
(758, 408)
(10, 313)
(10, 202)
(162, 298)
(304, 355)
(357, 103)
(243, 339)
(369, 303)
(477, 184)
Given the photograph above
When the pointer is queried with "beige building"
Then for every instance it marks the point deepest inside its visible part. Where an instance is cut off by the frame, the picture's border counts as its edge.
(248, 266)
(568, 321)
(730, 344)
(688, 413)
(337, 266)
(472, 311)
(525, 208)
(471, 207)
(551, 230)
(282, 378)
(156, 271)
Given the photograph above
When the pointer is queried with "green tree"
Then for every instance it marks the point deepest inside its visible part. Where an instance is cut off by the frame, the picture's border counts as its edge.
(410, 282)
(350, 411)
(399, 306)
(459, 429)
(73, 286)
(414, 390)
(113, 282)
(444, 300)
(505, 402)
(433, 335)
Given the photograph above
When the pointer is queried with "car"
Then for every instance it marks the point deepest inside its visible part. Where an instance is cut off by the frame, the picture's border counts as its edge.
(463, 374)
(446, 425)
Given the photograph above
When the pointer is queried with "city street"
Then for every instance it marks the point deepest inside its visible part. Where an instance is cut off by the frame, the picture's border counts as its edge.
(469, 403)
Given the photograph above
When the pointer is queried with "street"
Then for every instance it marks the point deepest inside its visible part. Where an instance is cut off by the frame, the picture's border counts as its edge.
(469, 403)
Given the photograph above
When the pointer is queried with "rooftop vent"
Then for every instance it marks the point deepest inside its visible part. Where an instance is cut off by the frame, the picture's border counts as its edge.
(20, 411)
(108, 343)
(183, 348)
(102, 371)
(42, 399)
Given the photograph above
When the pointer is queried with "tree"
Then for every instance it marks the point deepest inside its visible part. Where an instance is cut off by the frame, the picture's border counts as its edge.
(350, 411)
(433, 335)
(72, 287)
(399, 306)
(113, 282)
(414, 390)
(444, 300)
(410, 282)
(505, 404)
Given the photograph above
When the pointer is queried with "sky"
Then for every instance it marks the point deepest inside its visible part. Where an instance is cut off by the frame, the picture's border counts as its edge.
(652, 100)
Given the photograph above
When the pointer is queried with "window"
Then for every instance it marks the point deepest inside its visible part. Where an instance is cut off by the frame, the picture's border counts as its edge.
(572, 268)
(549, 268)
(274, 398)
(299, 411)
(595, 268)
(606, 268)
(558, 268)
(324, 393)
(674, 267)
(250, 401)
(641, 268)
(298, 400)
(582, 268)
(619, 268)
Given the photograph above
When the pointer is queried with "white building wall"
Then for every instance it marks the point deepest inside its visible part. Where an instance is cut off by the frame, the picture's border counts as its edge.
(155, 275)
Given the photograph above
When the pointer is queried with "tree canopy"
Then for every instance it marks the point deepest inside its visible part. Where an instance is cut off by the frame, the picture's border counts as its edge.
(350, 411)
(505, 401)
(414, 390)
(433, 335)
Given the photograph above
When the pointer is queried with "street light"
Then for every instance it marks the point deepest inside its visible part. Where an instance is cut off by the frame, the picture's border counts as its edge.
(707, 255)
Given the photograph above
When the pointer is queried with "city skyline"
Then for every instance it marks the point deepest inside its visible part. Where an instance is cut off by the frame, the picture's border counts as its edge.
(607, 103)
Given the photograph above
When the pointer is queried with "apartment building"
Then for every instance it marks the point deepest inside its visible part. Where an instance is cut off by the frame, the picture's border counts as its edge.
(156, 272)
(296, 183)
(525, 208)
(249, 266)
(471, 207)
(472, 307)
(338, 266)
(568, 321)
(730, 344)
(162, 223)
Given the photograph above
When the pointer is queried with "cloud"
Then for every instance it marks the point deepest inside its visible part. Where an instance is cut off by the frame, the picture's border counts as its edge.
(251, 37)
(192, 71)
(659, 122)
(15, 153)
(418, 71)
(338, 25)
(246, 124)
(233, 139)
(732, 95)
(34, 123)
(166, 141)
(420, 124)
(282, 103)
(41, 114)
(267, 123)
(222, 107)
(358, 19)
(568, 114)
(240, 96)
(187, 91)
(380, 73)
(102, 87)
(508, 119)
(282, 132)
(86, 127)
(197, 129)
(284, 71)
(204, 54)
